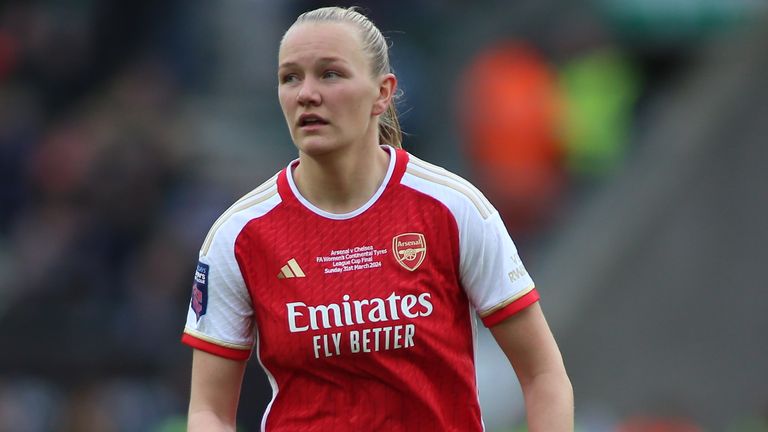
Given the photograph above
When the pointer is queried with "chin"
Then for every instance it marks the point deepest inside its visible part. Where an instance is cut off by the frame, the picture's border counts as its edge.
(316, 146)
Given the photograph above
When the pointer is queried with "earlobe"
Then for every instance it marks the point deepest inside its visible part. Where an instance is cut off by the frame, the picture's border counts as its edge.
(387, 88)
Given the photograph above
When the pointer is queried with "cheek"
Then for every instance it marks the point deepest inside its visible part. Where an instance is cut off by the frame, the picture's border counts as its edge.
(285, 102)
(283, 99)
(359, 103)
(287, 109)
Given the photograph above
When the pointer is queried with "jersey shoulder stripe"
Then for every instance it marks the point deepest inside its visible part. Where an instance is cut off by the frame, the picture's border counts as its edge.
(262, 193)
(441, 176)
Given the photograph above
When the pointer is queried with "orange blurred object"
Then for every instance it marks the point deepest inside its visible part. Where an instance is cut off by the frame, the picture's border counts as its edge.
(509, 108)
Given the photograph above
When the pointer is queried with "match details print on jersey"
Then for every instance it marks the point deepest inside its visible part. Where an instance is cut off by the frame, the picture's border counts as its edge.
(351, 259)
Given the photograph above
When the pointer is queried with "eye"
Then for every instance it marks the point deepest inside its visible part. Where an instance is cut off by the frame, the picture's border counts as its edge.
(331, 74)
(288, 78)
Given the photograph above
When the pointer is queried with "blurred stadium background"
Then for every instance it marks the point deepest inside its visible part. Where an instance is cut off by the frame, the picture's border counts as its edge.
(624, 141)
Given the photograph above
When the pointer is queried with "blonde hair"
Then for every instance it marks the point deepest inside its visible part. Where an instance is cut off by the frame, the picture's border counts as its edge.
(375, 45)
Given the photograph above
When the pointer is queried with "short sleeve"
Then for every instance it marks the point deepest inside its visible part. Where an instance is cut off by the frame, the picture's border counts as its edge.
(220, 315)
(493, 276)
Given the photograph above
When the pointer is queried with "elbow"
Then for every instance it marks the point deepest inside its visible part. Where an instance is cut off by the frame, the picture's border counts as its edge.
(556, 384)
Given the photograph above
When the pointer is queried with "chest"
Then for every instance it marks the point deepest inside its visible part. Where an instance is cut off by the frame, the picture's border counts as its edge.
(330, 288)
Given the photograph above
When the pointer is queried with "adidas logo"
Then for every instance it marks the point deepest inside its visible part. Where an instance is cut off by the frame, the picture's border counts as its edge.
(291, 270)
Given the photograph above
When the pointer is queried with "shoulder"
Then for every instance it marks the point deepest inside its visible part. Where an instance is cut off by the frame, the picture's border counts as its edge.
(453, 191)
(253, 205)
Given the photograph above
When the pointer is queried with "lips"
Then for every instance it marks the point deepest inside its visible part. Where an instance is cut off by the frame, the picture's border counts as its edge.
(308, 120)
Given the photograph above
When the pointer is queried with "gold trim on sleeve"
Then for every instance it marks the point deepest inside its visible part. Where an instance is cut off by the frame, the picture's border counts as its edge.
(215, 341)
(506, 302)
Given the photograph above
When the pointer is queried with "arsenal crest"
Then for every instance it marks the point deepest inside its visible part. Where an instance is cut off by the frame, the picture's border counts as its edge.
(409, 249)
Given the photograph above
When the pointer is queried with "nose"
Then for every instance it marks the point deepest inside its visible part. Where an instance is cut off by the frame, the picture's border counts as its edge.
(308, 93)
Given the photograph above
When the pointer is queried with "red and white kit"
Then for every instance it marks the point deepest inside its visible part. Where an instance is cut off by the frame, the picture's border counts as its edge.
(364, 320)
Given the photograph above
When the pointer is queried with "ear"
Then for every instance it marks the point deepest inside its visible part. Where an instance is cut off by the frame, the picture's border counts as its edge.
(387, 88)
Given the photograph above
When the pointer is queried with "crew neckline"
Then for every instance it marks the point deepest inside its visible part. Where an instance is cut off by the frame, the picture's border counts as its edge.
(342, 216)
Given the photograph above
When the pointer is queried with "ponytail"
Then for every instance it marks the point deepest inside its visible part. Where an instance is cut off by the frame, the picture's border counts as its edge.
(390, 132)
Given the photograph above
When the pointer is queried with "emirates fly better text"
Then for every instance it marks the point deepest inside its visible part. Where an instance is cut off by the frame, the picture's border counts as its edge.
(332, 316)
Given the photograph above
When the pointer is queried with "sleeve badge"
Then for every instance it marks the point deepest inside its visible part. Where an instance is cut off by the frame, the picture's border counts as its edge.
(199, 302)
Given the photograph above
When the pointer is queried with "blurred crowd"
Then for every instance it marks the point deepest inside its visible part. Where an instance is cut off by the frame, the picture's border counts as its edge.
(100, 219)
(106, 191)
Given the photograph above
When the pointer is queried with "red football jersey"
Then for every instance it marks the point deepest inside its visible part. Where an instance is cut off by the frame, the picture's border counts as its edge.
(364, 320)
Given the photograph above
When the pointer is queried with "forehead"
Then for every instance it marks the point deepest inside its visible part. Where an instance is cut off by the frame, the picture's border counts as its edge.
(307, 41)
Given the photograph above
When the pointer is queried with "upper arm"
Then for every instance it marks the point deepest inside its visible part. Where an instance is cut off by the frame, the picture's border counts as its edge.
(489, 269)
(492, 273)
(220, 316)
(215, 391)
(528, 343)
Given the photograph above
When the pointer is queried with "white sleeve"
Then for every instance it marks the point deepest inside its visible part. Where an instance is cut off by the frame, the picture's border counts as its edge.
(490, 270)
(492, 273)
(220, 315)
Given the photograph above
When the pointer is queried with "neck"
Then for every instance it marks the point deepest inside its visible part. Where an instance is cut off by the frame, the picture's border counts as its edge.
(341, 183)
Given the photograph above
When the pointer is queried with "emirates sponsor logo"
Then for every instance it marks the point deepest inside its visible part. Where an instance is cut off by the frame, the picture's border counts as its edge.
(303, 317)
(409, 250)
(327, 323)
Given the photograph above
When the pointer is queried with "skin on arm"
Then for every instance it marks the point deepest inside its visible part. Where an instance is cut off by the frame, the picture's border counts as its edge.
(215, 392)
(528, 343)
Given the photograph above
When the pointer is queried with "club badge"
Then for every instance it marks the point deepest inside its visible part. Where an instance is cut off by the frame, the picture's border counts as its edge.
(409, 249)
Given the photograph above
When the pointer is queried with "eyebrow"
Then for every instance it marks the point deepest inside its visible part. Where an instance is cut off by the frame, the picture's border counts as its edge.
(322, 61)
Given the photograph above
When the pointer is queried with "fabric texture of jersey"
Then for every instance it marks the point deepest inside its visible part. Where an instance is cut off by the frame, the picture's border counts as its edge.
(364, 320)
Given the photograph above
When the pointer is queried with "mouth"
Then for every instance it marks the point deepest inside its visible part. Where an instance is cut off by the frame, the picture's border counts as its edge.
(311, 121)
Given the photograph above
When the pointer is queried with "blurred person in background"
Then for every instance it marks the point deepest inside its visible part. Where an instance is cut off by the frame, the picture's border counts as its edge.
(355, 269)
(509, 111)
